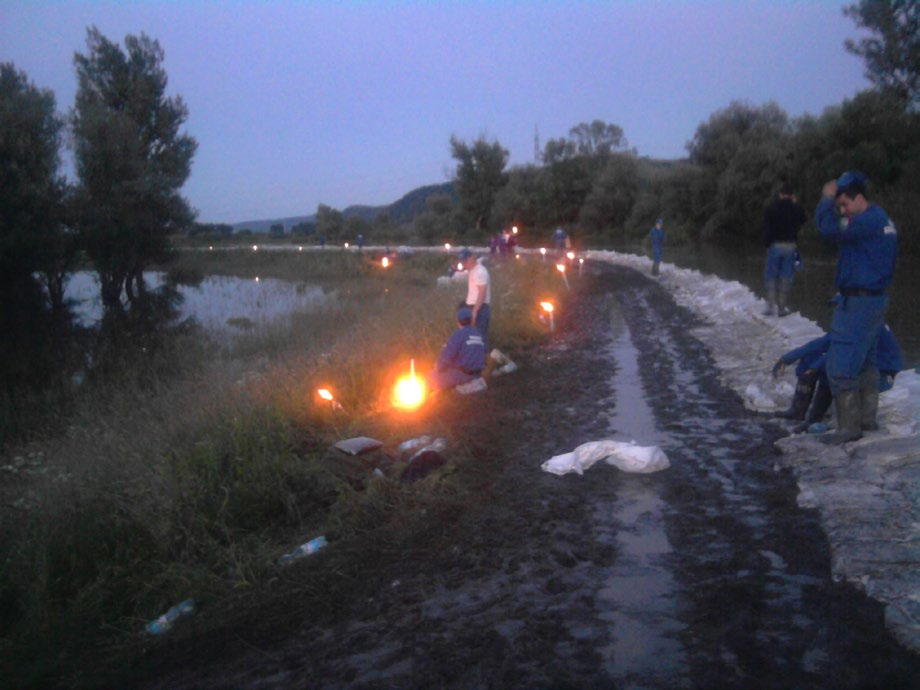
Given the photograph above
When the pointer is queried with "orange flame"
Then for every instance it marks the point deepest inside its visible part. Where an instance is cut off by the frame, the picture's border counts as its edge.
(560, 268)
(547, 306)
(570, 255)
(384, 262)
(410, 390)
(325, 394)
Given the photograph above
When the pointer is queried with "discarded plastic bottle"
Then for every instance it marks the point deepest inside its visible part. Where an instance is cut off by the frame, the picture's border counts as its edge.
(165, 622)
(306, 549)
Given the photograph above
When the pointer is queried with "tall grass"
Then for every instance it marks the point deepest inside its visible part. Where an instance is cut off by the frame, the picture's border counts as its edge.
(163, 487)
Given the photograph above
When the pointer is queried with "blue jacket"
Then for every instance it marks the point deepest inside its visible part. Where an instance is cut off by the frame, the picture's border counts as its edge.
(812, 354)
(868, 246)
(657, 235)
(464, 350)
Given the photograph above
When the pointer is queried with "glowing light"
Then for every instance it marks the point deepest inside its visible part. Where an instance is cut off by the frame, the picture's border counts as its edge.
(547, 307)
(581, 261)
(410, 390)
(325, 394)
(543, 251)
(255, 247)
(570, 255)
(560, 268)
(447, 246)
(514, 230)
(517, 256)
(300, 249)
(211, 249)
(384, 262)
(257, 279)
(459, 265)
(346, 245)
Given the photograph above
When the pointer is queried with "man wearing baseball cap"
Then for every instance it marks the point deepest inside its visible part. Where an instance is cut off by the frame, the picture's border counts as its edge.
(868, 249)
(462, 359)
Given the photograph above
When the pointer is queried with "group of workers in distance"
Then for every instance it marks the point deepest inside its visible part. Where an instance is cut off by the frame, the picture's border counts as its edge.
(859, 357)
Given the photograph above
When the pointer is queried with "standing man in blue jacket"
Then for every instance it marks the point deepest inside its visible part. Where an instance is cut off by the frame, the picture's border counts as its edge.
(868, 249)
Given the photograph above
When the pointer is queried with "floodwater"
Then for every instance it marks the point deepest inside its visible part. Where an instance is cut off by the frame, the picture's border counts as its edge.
(222, 305)
(813, 286)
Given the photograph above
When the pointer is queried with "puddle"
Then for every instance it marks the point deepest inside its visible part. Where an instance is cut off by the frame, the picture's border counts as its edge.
(637, 598)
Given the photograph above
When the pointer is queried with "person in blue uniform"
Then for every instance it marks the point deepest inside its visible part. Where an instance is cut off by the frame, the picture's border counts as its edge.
(463, 357)
(867, 244)
(657, 236)
(781, 224)
(812, 397)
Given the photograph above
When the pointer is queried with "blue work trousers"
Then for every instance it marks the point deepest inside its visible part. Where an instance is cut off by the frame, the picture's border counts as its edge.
(854, 334)
(779, 269)
(482, 320)
(449, 378)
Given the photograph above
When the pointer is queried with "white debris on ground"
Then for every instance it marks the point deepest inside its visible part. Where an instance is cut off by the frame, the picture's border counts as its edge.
(867, 492)
(627, 457)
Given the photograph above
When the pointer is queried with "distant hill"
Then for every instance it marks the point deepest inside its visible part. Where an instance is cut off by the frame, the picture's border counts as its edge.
(401, 211)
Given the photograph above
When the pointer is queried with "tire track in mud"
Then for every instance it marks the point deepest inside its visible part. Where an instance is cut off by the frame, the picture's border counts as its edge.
(704, 575)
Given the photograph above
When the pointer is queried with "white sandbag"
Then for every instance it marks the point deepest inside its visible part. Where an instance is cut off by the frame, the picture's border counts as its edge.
(627, 457)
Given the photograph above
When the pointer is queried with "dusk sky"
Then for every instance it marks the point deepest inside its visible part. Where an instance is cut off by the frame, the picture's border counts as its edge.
(295, 104)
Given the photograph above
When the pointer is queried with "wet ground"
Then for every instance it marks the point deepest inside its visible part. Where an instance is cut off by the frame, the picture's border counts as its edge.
(705, 575)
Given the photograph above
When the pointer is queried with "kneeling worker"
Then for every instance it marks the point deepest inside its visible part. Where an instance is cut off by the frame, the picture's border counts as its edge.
(463, 358)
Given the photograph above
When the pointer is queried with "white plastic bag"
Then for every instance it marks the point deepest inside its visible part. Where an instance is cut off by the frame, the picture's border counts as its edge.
(627, 457)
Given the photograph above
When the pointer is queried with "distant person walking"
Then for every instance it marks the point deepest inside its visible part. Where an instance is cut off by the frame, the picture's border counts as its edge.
(868, 249)
(657, 236)
(559, 238)
(781, 224)
(479, 292)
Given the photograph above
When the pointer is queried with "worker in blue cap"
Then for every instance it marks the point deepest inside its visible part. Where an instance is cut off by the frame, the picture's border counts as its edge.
(868, 247)
(463, 357)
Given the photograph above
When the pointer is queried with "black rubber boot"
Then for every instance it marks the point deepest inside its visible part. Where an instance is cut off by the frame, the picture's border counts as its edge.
(820, 404)
(848, 415)
(802, 397)
(868, 390)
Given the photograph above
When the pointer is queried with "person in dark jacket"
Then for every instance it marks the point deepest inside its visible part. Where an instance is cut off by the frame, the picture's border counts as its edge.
(781, 224)
(868, 249)
(463, 357)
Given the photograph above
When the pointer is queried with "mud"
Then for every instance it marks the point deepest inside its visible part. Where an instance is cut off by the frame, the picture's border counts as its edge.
(706, 575)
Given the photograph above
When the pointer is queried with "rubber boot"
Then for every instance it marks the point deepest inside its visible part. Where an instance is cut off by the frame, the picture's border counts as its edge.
(848, 415)
(820, 404)
(781, 299)
(868, 390)
(771, 300)
(804, 389)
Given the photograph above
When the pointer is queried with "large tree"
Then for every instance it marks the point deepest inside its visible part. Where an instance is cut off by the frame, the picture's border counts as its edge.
(892, 51)
(31, 186)
(480, 175)
(131, 161)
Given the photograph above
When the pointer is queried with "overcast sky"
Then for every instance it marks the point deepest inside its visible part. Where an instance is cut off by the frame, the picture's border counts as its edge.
(295, 104)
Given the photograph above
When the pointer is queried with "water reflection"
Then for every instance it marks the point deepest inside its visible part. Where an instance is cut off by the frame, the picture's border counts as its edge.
(813, 286)
(222, 305)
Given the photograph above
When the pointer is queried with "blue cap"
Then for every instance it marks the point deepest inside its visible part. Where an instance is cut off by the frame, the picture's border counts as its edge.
(852, 181)
(464, 315)
(465, 254)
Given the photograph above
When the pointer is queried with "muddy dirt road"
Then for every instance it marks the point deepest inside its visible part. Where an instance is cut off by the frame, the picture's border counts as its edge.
(705, 575)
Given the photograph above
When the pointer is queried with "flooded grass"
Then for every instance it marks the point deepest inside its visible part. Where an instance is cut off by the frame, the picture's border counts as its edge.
(186, 472)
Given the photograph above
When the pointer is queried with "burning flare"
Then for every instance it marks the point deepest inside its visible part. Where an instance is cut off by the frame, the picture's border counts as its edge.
(410, 390)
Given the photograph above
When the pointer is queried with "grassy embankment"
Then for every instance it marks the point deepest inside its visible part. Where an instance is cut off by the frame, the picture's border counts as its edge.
(188, 475)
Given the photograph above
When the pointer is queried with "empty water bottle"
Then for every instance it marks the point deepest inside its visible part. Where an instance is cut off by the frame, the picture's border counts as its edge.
(165, 622)
(306, 549)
